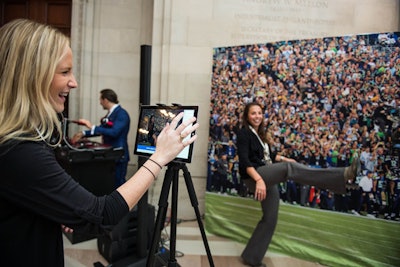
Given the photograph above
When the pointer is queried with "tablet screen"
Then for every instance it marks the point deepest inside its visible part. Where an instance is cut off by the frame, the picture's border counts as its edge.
(152, 120)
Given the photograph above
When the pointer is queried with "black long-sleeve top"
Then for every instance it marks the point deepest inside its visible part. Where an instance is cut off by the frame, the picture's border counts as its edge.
(250, 151)
(37, 196)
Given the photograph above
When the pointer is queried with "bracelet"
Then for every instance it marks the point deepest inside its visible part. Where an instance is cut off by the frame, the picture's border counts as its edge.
(150, 171)
(155, 163)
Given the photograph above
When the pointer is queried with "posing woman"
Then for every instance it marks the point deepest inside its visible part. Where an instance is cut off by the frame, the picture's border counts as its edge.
(261, 174)
(36, 195)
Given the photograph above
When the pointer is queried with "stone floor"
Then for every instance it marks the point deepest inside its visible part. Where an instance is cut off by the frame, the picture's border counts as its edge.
(190, 251)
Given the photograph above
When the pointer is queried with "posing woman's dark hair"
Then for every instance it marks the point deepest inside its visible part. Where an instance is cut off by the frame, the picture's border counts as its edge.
(261, 130)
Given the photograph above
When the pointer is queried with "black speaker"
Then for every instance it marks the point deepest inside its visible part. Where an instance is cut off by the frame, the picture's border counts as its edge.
(122, 241)
(145, 74)
(145, 77)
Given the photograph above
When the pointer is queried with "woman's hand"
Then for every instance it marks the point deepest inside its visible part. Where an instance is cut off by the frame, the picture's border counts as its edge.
(261, 190)
(67, 229)
(75, 139)
(172, 139)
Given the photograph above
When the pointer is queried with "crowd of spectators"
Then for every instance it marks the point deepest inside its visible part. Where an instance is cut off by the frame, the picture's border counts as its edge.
(325, 101)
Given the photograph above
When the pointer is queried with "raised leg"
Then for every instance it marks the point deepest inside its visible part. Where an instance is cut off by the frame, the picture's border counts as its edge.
(327, 178)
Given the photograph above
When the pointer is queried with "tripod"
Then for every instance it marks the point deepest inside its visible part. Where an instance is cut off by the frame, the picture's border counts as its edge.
(171, 176)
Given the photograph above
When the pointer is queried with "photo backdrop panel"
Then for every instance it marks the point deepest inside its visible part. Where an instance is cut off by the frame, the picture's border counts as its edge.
(325, 99)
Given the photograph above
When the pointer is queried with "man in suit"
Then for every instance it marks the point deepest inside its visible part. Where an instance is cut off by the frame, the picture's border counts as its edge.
(114, 128)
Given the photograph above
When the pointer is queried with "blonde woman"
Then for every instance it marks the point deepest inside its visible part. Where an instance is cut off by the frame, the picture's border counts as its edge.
(37, 196)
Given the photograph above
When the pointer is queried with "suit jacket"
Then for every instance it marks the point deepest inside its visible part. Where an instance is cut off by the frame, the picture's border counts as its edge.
(250, 152)
(115, 130)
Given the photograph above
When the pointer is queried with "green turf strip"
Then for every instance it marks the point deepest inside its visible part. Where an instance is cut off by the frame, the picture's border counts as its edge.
(327, 237)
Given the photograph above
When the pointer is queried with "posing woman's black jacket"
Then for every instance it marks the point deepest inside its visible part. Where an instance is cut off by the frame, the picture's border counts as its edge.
(250, 151)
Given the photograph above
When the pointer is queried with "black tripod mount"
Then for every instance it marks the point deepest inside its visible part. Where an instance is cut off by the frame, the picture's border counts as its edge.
(172, 177)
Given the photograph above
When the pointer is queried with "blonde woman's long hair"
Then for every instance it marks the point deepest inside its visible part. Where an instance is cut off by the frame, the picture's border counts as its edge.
(29, 54)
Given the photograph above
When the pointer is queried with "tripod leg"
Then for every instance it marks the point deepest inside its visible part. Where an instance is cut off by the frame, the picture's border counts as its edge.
(174, 208)
(195, 204)
(162, 211)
